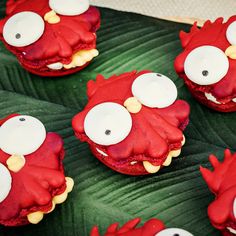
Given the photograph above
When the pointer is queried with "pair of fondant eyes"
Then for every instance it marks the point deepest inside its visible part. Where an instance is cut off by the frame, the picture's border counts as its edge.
(18, 31)
(174, 232)
(207, 65)
(110, 123)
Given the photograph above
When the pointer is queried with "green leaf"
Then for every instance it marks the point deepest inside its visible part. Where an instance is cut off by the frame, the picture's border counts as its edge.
(177, 195)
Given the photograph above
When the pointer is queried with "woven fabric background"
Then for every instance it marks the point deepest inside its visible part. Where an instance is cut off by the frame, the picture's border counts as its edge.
(180, 10)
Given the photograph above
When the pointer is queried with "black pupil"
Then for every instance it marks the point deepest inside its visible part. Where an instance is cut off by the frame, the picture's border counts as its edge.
(176, 235)
(107, 132)
(158, 75)
(18, 36)
(205, 73)
(22, 119)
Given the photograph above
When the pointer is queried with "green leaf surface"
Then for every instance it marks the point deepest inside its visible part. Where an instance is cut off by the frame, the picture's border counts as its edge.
(177, 194)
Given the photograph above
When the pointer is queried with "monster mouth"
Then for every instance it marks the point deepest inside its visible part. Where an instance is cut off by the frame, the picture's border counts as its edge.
(80, 58)
(148, 166)
(213, 99)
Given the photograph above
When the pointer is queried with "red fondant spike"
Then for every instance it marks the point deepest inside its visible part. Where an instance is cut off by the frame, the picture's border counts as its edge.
(214, 161)
(92, 85)
(129, 225)
(112, 228)
(94, 231)
(186, 37)
(207, 175)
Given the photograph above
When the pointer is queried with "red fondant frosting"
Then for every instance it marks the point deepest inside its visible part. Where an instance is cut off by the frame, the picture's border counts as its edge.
(58, 42)
(150, 228)
(221, 181)
(34, 186)
(154, 133)
(224, 91)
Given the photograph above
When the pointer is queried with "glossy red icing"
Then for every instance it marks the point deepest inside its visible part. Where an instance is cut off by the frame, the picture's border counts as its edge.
(213, 34)
(155, 132)
(34, 186)
(59, 41)
(150, 228)
(222, 182)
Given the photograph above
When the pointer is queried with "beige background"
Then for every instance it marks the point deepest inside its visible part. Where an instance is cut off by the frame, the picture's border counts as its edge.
(174, 9)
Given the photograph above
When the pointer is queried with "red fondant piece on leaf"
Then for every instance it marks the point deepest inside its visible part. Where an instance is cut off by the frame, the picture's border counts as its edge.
(222, 182)
(59, 42)
(154, 133)
(35, 185)
(150, 228)
(221, 95)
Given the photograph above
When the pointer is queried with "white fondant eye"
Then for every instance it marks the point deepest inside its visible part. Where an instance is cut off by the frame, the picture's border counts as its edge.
(174, 232)
(5, 182)
(22, 135)
(206, 65)
(154, 90)
(231, 33)
(69, 7)
(23, 29)
(108, 123)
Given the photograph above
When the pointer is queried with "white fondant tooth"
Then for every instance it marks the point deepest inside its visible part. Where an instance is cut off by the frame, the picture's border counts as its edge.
(183, 141)
(210, 97)
(55, 66)
(101, 152)
(168, 160)
(231, 230)
(133, 163)
(234, 208)
(151, 168)
(234, 99)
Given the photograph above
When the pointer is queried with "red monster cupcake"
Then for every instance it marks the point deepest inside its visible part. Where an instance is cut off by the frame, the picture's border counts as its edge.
(32, 176)
(208, 63)
(222, 182)
(51, 37)
(133, 122)
(152, 227)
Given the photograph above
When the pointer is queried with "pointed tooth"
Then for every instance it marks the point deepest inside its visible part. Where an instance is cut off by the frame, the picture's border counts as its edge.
(183, 141)
(175, 153)
(210, 97)
(58, 199)
(69, 184)
(55, 66)
(234, 99)
(35, 217)
(133, 163)
(94, 52)
(168, 160)
(78, 60)
(151, 168)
